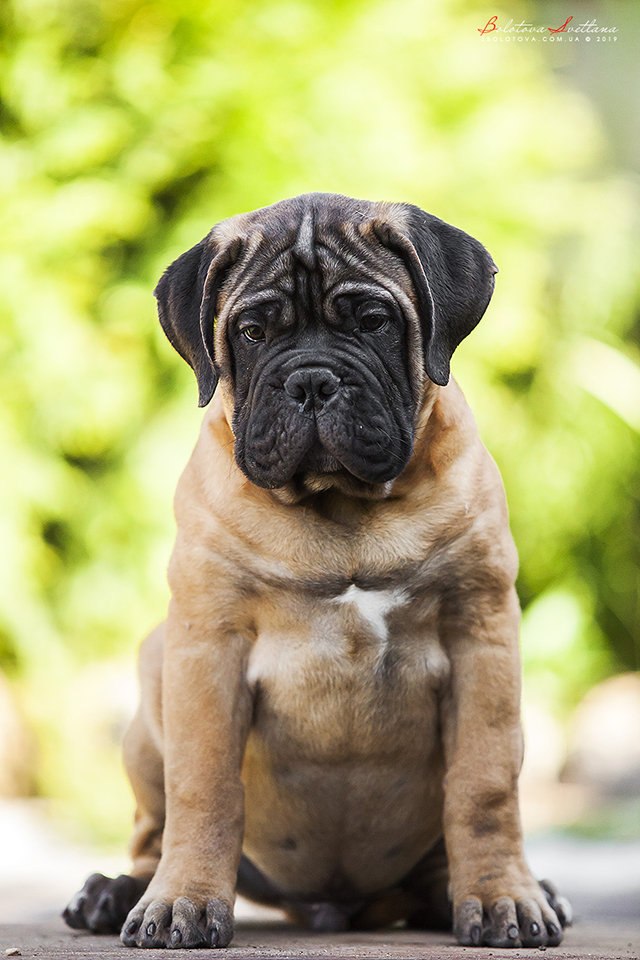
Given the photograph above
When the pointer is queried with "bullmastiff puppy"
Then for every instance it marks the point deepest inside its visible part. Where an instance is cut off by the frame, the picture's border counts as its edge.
(330, 715)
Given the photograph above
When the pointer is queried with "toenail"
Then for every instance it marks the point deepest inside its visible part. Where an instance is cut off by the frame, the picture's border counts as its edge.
(475, 933)
(176, 936)
(552, 929)
(132, 926)
(535, 929)
(151, 929)
(214, 936)
(513, 932)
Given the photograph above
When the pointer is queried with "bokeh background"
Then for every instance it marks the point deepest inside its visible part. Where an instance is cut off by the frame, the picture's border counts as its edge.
(128, 128)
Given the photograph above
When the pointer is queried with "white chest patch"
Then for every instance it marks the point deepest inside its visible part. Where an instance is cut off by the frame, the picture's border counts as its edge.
(373, 606)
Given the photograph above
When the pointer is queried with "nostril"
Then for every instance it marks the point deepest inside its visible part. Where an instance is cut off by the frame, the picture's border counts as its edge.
(327, 387)
(296, 390)
(296, 386)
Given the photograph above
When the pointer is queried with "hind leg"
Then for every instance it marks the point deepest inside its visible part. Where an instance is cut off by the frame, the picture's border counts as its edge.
(104, 902)
(428, 886)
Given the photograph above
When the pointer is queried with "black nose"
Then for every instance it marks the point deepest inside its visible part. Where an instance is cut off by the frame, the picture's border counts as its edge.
(311, 385)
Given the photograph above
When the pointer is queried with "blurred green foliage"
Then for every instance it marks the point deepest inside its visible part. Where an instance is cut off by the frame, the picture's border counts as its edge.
(129, 127)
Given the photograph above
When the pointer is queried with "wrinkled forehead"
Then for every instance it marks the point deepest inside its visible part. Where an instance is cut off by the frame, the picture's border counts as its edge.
(333, 242)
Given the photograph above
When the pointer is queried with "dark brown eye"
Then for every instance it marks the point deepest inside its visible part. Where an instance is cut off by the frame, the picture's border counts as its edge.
(253, 333)
(373, 321)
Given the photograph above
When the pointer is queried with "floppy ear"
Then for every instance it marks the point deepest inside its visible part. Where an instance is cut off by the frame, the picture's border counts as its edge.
(453, 277)
(186, 295)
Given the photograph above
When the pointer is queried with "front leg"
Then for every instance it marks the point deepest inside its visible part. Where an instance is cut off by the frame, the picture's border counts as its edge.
(496, 900)
(206, 717)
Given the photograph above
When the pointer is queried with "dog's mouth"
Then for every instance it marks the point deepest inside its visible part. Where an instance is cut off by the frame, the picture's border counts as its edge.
(318, 456)
(320, 471)
(318, 459)
(325, 425)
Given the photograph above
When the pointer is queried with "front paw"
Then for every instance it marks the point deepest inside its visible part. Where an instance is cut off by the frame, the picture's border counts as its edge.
(529, 921)
(179, 924)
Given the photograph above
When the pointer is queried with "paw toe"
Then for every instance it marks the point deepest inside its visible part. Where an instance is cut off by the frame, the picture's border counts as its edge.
(73, 913)
(154, 928)
(468, 922)
(101, 919)
(131, 926)
(187, 925)
(532, 928)
(559, 904)
(554, 933)
(501, 928)
(219, 923)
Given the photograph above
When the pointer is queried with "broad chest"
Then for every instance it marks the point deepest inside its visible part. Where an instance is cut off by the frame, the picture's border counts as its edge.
(348, 673)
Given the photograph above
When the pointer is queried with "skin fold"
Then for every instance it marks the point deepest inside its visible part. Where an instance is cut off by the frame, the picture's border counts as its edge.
(330, 714)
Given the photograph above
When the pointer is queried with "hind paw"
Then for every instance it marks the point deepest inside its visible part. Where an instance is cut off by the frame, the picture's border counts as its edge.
(104, 902)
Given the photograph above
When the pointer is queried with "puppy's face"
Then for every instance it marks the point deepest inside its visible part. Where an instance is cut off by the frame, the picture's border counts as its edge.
(319, 317)
(318, 354)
